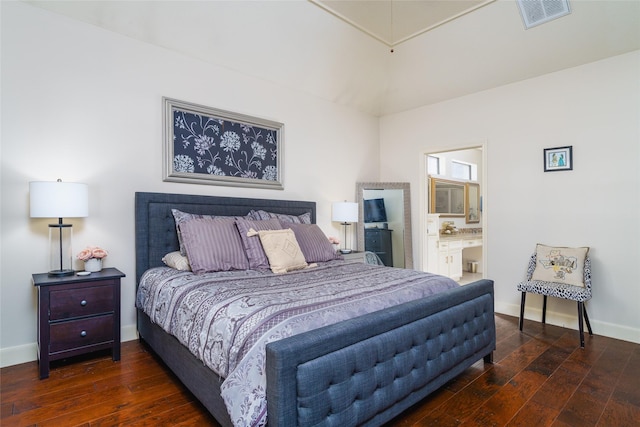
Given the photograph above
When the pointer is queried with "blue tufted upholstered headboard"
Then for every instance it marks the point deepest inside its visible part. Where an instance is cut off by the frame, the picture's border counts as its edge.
(156, 229)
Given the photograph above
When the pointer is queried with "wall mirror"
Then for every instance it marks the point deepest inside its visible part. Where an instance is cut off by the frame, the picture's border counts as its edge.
(447, 198)
(473, 203)
(384, 221)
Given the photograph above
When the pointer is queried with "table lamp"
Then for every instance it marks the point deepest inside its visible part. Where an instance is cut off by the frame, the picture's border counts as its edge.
(345, 213)
(57, 200)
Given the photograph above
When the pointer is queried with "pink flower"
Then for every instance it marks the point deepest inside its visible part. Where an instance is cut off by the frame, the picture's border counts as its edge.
(84, 254)
(92, 252)
(98, 253)
(334, 240)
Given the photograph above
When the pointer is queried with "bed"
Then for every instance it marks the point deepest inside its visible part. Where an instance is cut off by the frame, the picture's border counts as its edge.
(326, 376)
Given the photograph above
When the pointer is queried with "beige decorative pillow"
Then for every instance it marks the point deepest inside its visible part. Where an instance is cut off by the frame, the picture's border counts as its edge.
(176, 260)
(282, 250)
(560, 264)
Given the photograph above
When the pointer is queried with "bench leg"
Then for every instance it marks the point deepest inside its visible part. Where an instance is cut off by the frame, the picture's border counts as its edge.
(488, 358)
(580, 325)
(524, 296)
(586, 318)
(544, 309)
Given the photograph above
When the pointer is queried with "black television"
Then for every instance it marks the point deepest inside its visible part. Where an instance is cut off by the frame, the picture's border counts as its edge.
(374, 210)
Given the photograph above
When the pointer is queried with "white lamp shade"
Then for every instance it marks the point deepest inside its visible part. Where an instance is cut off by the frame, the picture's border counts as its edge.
(58, 199)
(345, 212)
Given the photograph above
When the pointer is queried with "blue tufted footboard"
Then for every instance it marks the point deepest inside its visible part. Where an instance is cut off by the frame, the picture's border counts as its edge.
(367, 370)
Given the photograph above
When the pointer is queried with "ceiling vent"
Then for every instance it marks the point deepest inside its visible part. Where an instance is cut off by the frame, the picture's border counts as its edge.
(536, 12)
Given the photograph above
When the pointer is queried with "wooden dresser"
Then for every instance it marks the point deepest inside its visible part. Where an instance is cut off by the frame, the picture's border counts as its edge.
(378, 241)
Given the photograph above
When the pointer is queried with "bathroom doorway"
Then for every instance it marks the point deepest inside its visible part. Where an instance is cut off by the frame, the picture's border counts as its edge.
(453, 240)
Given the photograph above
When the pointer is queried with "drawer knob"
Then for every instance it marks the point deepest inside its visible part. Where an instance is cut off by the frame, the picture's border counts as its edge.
(83, 333)
(83, 302)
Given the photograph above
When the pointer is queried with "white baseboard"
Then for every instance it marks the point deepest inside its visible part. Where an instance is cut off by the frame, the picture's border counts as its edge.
(564, 320)
(29, 352)
(19, 354)
(129, 333)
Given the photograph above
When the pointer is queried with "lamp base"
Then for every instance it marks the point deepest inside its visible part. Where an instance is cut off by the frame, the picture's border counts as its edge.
(345, 251)
(61, 273)
(60, 262)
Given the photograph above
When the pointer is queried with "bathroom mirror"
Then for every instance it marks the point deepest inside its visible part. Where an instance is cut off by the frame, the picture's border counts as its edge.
(473, 203)
(384, 221)
(447, 198)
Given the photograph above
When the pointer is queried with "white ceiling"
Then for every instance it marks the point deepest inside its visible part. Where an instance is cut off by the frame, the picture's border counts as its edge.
(296, 44)
(395, 21)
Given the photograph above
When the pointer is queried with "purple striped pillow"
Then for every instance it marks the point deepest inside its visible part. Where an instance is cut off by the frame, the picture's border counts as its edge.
(253, 247)
(314, 244)
(183, 217)
(305, 218)
(213, 245)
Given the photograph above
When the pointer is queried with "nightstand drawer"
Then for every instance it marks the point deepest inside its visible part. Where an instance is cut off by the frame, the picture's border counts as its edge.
(81, 333)
(65, 304)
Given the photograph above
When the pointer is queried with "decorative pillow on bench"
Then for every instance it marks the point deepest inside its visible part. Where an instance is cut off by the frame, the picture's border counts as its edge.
(560, 264)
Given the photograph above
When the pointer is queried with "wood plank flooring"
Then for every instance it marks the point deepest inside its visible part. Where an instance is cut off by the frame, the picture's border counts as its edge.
(540, 378)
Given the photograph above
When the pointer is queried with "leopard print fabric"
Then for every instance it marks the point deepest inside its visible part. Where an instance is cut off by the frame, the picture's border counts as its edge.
(558, 290)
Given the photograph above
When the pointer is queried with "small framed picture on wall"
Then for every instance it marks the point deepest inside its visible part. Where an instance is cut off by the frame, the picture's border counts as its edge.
(558, 159)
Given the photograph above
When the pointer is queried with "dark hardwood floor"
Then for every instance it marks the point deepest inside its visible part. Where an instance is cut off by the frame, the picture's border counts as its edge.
(540, 378)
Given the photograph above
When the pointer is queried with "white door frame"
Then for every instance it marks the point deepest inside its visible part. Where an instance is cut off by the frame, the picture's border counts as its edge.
(424, 198)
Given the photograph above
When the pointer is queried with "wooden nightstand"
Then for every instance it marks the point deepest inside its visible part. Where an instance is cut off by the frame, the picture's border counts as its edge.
(77, 315)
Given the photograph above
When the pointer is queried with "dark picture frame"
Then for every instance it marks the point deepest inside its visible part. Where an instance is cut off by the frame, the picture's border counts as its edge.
(204, 145)
(558, 159)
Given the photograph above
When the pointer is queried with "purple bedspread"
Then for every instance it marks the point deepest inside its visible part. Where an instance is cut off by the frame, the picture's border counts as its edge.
(226, 319)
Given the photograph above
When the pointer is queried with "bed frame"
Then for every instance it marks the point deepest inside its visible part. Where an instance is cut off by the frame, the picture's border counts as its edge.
(364, 371)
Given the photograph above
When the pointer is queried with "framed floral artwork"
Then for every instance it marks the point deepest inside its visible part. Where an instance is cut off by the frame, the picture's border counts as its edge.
(204, 145)
(558, 159)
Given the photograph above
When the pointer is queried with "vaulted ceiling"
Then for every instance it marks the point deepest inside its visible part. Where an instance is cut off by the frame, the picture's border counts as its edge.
(395, 21)
(341, 51)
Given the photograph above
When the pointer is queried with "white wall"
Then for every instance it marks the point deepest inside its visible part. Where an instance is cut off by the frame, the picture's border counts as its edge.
(596, 109)
(83, 104)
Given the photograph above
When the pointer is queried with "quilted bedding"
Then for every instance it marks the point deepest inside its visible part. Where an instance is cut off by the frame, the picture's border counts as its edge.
(226, 319)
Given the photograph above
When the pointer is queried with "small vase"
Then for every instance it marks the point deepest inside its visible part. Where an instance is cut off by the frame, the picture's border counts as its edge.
(93, 265)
